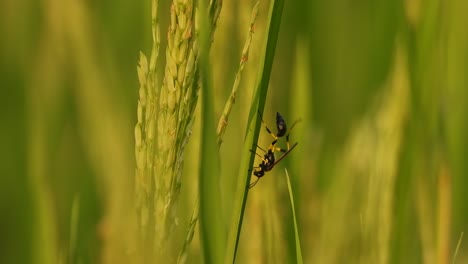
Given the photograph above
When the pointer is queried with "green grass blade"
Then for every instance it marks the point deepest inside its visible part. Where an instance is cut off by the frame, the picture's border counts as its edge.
(211, 225)
(296, 231)
(457, 248)
(253, 127)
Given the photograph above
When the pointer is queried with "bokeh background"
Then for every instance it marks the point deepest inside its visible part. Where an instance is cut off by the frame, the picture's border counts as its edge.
(379, 175)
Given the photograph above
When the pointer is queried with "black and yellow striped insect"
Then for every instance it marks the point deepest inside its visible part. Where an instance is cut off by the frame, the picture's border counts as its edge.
(268, 162)
(268, 159)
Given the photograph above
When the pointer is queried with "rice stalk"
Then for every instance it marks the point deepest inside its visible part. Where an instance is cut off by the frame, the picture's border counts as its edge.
(222, 124)
(145, 137)
(223, 120)
(165, 118)
(177, 101)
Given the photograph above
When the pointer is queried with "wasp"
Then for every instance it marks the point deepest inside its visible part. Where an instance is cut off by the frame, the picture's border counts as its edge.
(268, 159)
(268, 162)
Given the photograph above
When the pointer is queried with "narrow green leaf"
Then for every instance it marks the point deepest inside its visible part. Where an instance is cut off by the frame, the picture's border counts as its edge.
(457, 248)
(211, 226)
(296, 231)
(253, 127)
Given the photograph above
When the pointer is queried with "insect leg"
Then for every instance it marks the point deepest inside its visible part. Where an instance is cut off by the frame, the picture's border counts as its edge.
(267, 129)
(253, 183)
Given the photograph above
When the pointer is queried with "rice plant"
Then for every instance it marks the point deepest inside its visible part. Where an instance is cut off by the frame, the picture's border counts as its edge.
(105, 164)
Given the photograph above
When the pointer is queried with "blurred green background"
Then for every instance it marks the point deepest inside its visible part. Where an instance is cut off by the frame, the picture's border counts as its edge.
(380, 173)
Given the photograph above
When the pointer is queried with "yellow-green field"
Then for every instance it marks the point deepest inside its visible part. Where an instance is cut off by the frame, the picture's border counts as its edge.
(126, 128)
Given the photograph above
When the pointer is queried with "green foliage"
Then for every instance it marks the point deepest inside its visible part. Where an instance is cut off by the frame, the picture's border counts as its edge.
(379, 174)
(258, 103)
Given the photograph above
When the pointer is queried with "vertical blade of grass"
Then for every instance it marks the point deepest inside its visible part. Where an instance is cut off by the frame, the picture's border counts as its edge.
(211, 226)
(457, 248)
(253, 127)
(300, 102)
(296, 231)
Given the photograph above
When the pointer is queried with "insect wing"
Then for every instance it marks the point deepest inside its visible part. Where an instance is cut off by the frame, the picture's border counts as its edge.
(253, 183)
(284, 155)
